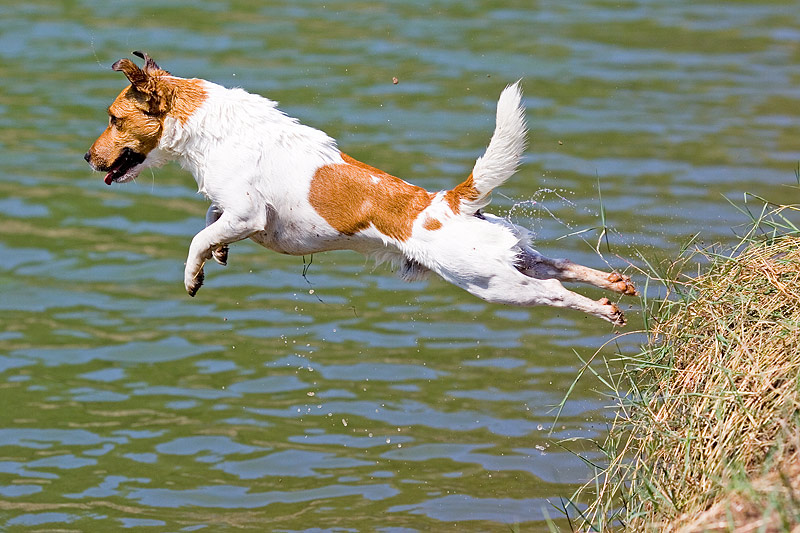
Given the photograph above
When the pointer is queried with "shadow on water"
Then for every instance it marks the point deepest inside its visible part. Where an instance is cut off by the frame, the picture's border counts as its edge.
(350, 400)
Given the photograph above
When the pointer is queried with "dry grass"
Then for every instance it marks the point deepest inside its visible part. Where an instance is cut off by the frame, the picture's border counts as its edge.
(707, 437)
(730, 397)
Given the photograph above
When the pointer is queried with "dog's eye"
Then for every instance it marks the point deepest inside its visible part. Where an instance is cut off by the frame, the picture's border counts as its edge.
(113, 121)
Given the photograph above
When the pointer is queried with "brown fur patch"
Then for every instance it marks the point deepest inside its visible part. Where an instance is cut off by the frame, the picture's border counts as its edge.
(431, 224)
(134, 125)
(188, 95)
(351, 196)
(465, 190)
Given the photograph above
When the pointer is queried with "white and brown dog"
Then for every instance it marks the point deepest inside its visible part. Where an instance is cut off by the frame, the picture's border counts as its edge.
(287, 187)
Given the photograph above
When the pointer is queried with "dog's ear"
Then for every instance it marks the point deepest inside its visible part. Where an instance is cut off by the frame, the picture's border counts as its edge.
(146, 82)
(138, 78)
(150, 66)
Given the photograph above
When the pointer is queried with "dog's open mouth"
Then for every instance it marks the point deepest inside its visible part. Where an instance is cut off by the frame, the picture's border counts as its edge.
(127, 160)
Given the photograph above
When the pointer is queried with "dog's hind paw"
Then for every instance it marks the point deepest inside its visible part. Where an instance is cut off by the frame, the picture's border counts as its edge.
(613, 314)
(622, 283)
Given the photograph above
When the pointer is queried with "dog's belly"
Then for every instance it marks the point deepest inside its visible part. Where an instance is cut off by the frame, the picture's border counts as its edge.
(303, 237)
(297, 239)
(288, 243)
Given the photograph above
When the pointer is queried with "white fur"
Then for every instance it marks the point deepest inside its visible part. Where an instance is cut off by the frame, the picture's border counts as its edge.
(255, 164)
(505, 149)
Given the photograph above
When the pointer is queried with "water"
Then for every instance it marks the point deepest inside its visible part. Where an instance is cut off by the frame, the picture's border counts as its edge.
(345, 399)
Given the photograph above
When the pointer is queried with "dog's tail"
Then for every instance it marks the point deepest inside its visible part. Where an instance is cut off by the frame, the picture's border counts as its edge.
(501, 158)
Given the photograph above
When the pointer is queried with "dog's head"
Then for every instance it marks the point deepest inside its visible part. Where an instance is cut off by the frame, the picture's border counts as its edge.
(136, 120)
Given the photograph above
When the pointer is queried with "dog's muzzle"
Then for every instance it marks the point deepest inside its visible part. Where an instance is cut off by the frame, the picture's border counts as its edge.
(127, 160)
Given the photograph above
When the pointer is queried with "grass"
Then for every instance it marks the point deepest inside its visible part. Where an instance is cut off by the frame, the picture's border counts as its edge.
(707, 433)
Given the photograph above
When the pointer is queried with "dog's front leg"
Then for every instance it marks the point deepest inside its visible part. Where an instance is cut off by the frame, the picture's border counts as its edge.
(220, 253)
(227, 228)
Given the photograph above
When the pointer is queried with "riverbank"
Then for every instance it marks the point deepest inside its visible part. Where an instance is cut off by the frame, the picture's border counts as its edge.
(707, 437)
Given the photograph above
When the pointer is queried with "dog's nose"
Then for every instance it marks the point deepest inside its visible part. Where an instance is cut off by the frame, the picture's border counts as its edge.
(87, 156)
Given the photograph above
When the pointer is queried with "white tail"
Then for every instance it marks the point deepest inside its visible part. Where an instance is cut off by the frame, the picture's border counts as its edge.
(502, 156)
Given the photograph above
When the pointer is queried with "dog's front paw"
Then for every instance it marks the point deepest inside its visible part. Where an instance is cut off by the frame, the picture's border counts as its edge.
(622, 283)
(220, 255)
(613, 313)
(193, 283)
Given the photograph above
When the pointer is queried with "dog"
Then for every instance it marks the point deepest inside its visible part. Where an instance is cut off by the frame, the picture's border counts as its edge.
(289, 188)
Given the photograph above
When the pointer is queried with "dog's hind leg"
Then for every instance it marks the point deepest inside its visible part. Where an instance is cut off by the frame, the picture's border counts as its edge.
(533, 264)
(504, 284)
(479, 258)
(220, 254)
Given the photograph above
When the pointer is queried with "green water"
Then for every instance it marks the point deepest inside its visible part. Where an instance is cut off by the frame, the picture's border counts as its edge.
(368, 404)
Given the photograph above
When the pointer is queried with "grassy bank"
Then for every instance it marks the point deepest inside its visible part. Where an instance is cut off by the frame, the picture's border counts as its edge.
(707, 436)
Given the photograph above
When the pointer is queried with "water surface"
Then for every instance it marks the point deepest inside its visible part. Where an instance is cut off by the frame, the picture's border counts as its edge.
(345, 399)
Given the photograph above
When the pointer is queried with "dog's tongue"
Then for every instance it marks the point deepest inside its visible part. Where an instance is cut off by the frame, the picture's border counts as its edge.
(109, 178)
